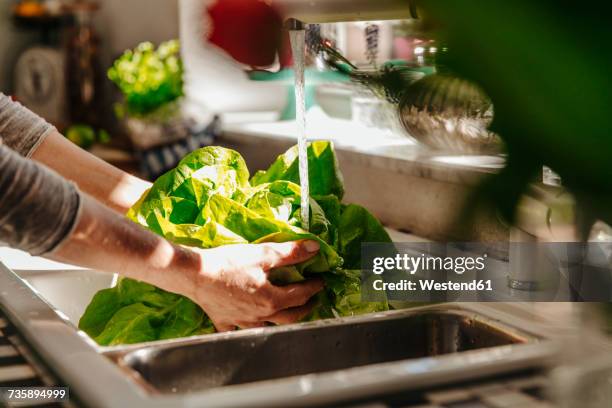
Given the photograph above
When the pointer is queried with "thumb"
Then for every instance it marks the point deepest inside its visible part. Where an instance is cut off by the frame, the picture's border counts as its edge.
(287, 253)
(222, 326)
(292, 315)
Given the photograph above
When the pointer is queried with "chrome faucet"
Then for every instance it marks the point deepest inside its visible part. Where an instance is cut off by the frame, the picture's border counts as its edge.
(331, 11)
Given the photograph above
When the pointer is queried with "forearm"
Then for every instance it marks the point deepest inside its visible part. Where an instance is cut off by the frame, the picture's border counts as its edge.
(109, 185)
(43, 214)
(104, 240)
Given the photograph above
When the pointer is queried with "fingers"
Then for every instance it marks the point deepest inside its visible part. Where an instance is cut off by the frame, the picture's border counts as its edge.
(222, 326)
(295, 294)
(287, 253)
(292, 315)
(251, 325)
(288, 304)
(291, 304)
(225, 327)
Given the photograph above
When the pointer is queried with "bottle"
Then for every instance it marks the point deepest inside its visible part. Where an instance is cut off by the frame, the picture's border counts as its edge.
(84, 73)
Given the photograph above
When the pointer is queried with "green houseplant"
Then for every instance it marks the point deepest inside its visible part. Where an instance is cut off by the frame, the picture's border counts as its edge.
(150, 80)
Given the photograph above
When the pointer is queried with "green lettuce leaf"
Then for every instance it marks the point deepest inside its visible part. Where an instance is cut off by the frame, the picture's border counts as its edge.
(345, 288)
(182, 319)
(323, 171)
(180, 194)
(357, 225)
(100, 310)
(134, 312)
(134, 323)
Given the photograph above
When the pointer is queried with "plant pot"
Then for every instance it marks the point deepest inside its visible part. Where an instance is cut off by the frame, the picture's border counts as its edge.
(163, 126)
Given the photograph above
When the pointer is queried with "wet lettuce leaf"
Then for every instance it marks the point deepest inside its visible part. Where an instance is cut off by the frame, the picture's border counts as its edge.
(208, 201)
(344, 288)
(323, 171)
(357, 225)
(134, 312)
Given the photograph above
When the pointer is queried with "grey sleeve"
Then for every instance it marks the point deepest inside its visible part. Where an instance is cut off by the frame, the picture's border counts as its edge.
(21, 129)
(38, 208)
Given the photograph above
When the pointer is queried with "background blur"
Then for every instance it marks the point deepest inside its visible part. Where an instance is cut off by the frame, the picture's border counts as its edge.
(140, 20)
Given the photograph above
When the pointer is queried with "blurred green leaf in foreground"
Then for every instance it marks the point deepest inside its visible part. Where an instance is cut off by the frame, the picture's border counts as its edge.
(547, 67)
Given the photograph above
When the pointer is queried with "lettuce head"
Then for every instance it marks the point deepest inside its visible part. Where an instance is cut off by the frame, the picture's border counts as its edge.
(210, 200)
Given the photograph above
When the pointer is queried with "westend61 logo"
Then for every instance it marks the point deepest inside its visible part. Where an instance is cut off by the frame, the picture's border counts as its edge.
(488, 272)
(412, 264)
(404, 265)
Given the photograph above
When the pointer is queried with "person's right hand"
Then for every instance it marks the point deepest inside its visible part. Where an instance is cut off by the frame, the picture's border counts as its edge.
(229, 282)
(233, 287)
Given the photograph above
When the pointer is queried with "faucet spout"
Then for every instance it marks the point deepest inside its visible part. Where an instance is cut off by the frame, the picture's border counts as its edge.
(332, 11)
(293, 24)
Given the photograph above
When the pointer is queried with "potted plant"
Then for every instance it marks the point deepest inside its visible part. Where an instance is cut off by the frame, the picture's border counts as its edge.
(151, 82)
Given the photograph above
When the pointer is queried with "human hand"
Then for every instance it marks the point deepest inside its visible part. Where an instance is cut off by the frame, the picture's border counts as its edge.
(233, 287)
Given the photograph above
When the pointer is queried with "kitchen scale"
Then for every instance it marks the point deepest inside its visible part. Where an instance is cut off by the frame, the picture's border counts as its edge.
(40, 71)
(40, 82)
(57, 79)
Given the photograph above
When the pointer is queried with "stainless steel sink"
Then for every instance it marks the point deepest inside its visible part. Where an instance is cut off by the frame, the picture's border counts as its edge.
(318, 363)
(315, 349)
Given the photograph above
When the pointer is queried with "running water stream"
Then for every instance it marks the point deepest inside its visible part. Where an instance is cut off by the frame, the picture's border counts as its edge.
(298, 47)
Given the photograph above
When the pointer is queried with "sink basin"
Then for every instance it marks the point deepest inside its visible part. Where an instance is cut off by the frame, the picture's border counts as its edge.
(319, 363)
(297, 350)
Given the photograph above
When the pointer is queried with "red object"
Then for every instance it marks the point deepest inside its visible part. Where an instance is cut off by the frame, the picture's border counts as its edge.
(249, 30)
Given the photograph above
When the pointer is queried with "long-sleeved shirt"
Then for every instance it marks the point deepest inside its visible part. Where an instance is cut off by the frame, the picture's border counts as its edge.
(38, 208)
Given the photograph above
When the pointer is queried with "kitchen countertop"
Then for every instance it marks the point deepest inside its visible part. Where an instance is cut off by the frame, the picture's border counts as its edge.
(392, 150)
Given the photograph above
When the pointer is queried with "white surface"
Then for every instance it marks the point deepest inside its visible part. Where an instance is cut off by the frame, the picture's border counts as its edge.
(19, 260)
(67, 288)
(320, 126)
(391, 148)
(493, 162)
(67, 291)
